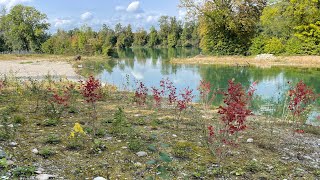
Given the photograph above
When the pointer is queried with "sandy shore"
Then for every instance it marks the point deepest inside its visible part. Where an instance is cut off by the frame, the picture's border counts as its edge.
(282, 61)
(37, 69)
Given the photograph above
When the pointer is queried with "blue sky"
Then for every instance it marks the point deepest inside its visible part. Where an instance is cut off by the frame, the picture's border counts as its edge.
(67, 14)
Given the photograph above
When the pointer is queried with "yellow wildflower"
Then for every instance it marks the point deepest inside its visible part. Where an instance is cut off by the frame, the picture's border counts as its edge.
(71, 135)
(78, 129)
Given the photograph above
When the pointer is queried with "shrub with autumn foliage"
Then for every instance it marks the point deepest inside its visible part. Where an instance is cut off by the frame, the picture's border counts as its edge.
(301, 97)
(91, 92)
(184, 101)
(58, 101)
(233, 117)
(206, 94)
(141, 93)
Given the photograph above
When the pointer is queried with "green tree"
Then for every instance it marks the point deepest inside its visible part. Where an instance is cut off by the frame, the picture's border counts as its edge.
(164, 23)
(153, 39)
(140, 38)
(226, 27)
(295, 22)
(24, 28)
(128, 39)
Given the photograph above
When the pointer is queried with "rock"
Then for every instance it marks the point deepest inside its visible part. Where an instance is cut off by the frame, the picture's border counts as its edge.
(137, 164)
(250, 140)
(35, 151)
(44, 176)
(265, 57)
(10, 125)
(80, 66)
(141, 154)
(2, 154)
(173, 135)
(9, 163)
(13, 144)
(124, 147)
(99, 178)
(285, 158)
(77, 58)
(39, 170)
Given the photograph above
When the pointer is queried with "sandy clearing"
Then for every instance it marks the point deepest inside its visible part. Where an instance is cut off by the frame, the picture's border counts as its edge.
(38, 69)
(277, 61)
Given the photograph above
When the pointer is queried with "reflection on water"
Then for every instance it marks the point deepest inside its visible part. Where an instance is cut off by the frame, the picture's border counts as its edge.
(151, 65)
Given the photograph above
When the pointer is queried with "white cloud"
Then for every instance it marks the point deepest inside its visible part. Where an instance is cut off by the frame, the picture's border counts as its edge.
(139, 16)
(137, 75)
(87, 16)
(182, 14)
(10, 3)
(120, 8)
(134, 7)
(61, 22)
(152, 18)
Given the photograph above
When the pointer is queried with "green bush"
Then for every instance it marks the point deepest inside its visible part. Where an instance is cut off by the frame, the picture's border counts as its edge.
(19, 119)
(23, 171)
(293, 46)
(46, 152)
(184, 149)
(258, 44)
(135, 144)
(274, 46)
(52, 139)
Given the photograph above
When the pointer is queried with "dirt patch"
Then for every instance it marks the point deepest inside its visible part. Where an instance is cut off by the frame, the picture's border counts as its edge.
(38, 69)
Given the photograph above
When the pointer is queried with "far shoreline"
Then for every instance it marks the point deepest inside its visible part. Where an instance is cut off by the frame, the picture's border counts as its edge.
(248, 61)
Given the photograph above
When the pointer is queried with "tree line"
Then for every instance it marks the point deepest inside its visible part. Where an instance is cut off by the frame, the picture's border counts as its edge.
(24, 28)
(218, 27)
(257, 26)
(85, 40)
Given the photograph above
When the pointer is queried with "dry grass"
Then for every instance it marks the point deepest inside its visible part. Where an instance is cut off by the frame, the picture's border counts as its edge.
(45, 57)
(287, 61)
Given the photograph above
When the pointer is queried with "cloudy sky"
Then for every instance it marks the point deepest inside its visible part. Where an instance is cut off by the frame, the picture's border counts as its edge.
(67, 14)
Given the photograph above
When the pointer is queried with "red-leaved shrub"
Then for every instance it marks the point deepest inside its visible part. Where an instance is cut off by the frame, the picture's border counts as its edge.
(301, 96)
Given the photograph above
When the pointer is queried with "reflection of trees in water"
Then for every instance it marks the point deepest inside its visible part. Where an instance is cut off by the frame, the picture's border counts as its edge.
(96, 67)
(219, 76)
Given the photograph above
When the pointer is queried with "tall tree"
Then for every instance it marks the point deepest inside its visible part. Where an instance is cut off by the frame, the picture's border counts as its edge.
(153, 39)
(140, 37)
(24, 28)
(226, 27)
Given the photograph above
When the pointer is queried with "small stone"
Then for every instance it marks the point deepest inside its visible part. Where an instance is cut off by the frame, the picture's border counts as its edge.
(137, 115)
(80, 66)
(13, 144)
(38, 172)
(141, 153)
(35, 151)
(40, 169)
(124, 147)
(10, 125)
(118, 152)
(99, 178)
(137, 164)
(119, 141)
(44, 176)
(285, 158)
(173, 135)
(2, 154)
(9, 163)
(250, 140)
